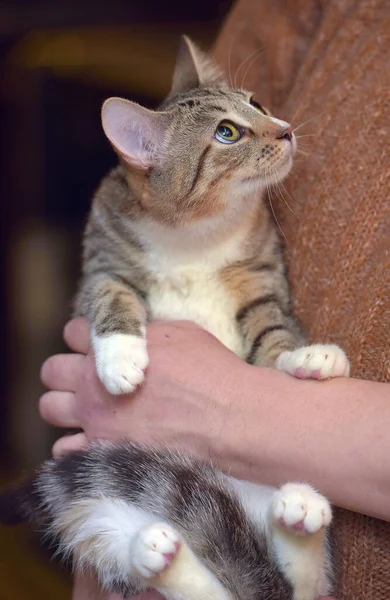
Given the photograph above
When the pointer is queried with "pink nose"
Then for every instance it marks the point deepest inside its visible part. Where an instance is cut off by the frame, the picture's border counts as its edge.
(285, 134)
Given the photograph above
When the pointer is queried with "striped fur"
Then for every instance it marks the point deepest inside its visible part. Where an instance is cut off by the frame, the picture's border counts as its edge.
(180, 229)
(140, 518)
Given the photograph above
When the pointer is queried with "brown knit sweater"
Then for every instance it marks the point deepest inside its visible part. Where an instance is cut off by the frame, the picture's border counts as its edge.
(331, 60)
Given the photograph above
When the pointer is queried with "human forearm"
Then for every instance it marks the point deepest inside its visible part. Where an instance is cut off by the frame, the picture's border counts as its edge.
(334, 434)
(259, 424)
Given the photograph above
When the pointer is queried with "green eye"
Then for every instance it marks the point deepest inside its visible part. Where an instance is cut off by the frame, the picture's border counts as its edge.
(227, 133)
(257, 106)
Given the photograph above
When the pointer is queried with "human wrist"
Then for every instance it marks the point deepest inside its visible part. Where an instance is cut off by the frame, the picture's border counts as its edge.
(204, 435)
(240, 394)
(262, 429)
(284, 429)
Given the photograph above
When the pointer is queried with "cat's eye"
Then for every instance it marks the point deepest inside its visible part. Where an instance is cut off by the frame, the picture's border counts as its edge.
(257, 106)
(227, 133)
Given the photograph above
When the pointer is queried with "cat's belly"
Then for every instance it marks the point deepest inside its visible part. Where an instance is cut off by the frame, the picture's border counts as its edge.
(203, 300)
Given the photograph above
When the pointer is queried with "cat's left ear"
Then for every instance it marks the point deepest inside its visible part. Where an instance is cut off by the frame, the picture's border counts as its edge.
(136, 133)
(193, 69)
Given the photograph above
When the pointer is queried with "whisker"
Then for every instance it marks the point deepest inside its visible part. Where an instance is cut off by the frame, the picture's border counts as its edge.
(297, 112)
(300, 151)
(230, 63)
(287, 192)
(323, 133)
(309, 155)
(272, 209)
(243, 63)
(280, 188)
(308, 121)
(308, 149)
(252, 62)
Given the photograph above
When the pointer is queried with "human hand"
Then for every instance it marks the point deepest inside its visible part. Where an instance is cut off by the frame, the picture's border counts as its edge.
(191, 374)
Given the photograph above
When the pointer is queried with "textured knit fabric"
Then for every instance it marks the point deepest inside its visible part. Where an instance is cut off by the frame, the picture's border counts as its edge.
(330, 62)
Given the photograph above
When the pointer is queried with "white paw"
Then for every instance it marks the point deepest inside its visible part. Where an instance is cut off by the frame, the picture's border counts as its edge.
(319, 361)
(300, 509)
(120, 361)
(154, 548)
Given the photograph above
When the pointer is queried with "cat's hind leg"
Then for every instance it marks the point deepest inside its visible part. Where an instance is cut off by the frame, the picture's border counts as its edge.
(99, 534)
(298, 519)
(130, 550)
(294, 518)
(163, 558)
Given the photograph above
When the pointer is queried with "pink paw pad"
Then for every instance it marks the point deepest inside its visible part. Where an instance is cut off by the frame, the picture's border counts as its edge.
(299, 526)
(169, 556)
(302, 373)
(155, 548)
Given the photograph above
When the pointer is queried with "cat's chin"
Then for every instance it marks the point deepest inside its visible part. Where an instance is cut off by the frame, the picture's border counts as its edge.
(268, 178)
(278, 174)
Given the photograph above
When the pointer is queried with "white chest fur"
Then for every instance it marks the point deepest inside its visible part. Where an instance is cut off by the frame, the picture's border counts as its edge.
(196, 295)
(187, 285)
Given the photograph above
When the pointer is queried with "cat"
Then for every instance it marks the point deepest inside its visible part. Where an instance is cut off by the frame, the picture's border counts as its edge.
(140, 518)
(180, 230)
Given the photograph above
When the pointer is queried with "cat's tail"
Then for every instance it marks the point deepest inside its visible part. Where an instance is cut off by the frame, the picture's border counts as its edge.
(20, 503)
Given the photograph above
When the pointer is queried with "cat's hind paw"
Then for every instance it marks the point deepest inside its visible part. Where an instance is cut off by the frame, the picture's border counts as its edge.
(120, 361)
(319, 361)
(154, 549)
(300, 509)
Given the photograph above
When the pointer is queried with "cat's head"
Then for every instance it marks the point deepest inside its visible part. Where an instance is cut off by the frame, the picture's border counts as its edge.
(205, 151)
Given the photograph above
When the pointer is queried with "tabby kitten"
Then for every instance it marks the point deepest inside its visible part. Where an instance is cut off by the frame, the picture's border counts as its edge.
(180, 230)
(140, 519)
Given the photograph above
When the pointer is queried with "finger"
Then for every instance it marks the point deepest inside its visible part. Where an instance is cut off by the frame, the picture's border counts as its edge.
(62, 371)
(77, 335)
(69, 443)
(59, 409)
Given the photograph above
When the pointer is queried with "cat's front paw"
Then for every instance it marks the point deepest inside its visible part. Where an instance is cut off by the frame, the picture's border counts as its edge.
(319, 361)
(298, 508)
(154, 549)
(120, 361)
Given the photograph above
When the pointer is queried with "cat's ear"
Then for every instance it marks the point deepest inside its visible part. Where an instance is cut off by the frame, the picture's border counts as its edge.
(136, 133)
(193, 68)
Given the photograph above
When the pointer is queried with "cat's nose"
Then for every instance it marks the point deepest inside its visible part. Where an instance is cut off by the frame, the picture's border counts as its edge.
(285, 133)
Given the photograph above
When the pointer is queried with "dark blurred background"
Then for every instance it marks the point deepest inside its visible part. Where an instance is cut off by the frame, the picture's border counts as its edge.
(58, 61)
